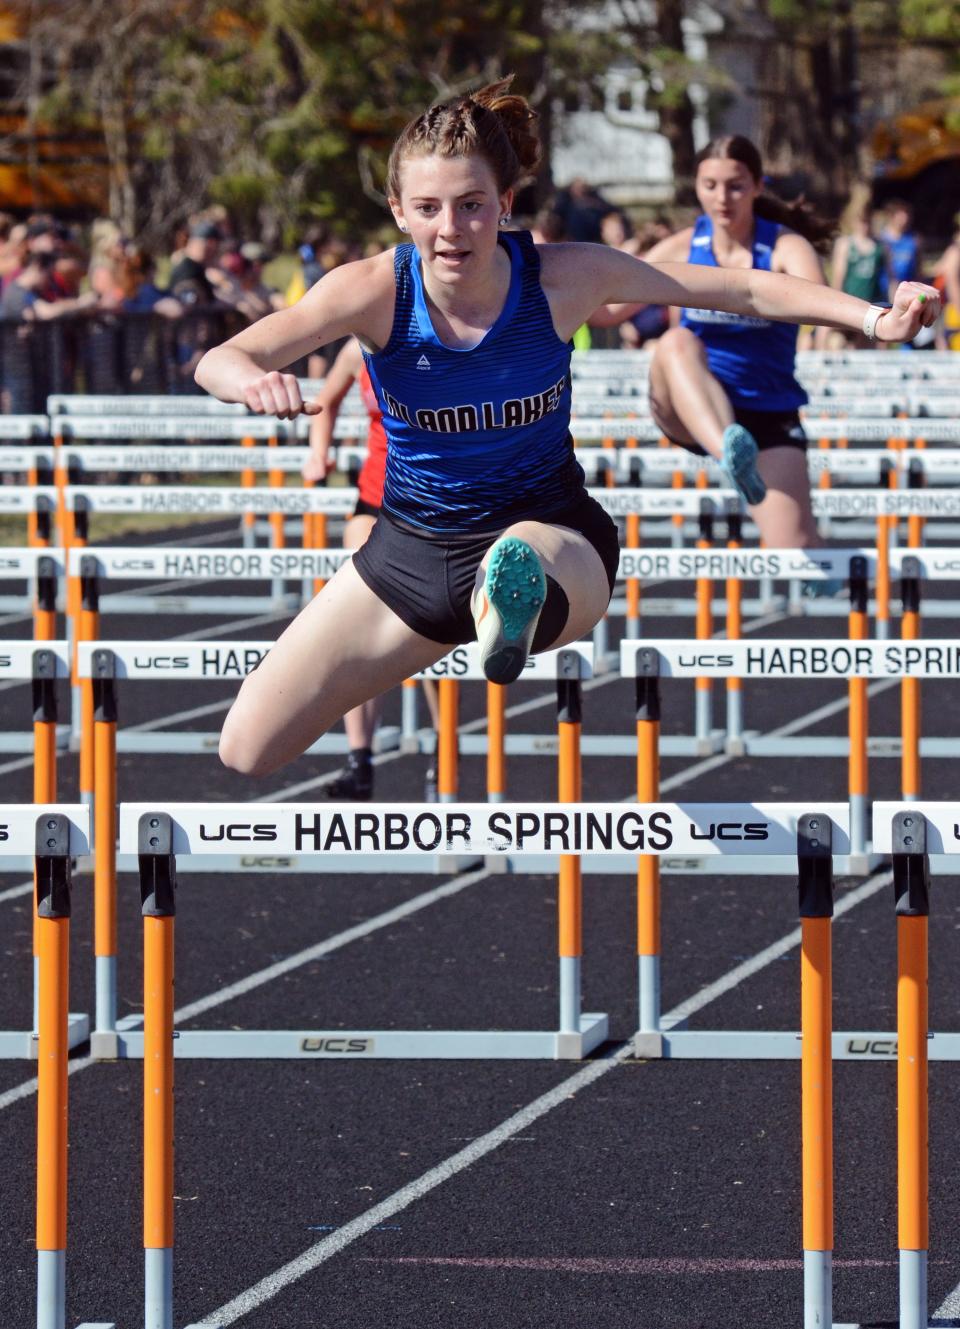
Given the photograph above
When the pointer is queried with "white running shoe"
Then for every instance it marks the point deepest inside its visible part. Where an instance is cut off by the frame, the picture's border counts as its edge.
(508, 607)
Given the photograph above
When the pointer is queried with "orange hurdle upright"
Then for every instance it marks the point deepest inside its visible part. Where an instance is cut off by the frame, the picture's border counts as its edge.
(911, 883)
(45, 604)
(157, 893)
(703, 696)
(52, 875)
(43, 684)
(885, 527)
(248, 480)
(734, 589)
(631, 624)
(916, 479)
(815, 863)
(857, 766)
(570, 893)
(104, 702)
(496, 743)
(910, 720)
(648, 865)
(448, 695)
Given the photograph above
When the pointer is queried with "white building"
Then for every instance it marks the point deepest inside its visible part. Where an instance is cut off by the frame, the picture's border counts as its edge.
(617, 147)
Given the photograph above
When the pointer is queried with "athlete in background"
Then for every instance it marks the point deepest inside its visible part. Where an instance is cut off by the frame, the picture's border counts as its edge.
(486, 528)
(356, 782)
(723, 383)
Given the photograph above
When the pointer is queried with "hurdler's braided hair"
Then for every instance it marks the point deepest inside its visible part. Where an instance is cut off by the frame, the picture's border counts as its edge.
(493, 122)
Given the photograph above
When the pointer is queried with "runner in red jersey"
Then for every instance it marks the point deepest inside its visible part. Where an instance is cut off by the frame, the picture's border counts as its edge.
(356, 782)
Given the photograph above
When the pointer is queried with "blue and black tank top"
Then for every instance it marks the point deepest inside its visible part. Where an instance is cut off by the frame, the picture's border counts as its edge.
(477, 438)
(752, 357)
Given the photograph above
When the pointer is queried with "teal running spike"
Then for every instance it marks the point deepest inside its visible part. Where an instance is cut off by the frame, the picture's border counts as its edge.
(508, 608)
(739, 460)
(827, 589)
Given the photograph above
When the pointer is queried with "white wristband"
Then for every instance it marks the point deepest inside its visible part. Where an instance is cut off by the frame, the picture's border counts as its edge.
(872, 317)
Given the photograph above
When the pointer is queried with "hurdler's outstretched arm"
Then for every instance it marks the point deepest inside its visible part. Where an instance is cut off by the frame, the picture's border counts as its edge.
(357, 298)
(578, 278)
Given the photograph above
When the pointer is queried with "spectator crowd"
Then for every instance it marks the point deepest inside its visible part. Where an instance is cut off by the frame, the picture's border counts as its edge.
(83, 308)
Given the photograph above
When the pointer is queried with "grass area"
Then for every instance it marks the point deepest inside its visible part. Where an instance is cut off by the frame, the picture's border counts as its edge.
(106, 527)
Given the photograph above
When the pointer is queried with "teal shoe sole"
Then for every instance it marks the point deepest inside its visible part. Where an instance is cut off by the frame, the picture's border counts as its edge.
(740, 453)
(516, 589)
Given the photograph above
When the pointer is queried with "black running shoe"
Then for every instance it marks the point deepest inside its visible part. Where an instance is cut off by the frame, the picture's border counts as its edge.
(355, 784)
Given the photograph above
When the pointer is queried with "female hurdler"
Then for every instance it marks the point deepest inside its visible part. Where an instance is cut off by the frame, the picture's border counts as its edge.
(486, 529)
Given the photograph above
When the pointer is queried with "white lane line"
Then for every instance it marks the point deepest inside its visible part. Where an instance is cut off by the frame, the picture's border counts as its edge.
(194, 713)
(945, 1316)
(849, 900)
(14, 1095)
(831, 708)
(311, 1259)
(233, 626)
(14, 892)
(20, 764)
(323, 1250)
(334, 943)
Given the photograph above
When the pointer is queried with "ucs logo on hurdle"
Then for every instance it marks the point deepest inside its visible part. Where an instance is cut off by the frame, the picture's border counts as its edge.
(497, 830)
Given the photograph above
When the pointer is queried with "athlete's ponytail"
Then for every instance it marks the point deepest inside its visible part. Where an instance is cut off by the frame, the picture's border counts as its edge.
(492, 122)
(797, 215)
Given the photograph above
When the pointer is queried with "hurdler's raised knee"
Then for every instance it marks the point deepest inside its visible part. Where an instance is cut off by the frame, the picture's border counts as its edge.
(240, 753)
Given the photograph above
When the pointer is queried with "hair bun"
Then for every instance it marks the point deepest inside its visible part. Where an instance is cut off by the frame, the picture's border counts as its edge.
(518, 118)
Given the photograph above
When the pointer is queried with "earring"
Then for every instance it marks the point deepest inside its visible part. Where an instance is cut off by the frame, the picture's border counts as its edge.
(505, 219)
(402, 226)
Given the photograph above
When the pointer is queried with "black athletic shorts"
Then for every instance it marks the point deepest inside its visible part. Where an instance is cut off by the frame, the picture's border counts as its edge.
(771, 429)
(427, 578)
(365, 509)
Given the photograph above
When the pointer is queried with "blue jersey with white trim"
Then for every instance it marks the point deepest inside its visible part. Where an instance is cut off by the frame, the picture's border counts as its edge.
(476, 438)
(752, 357)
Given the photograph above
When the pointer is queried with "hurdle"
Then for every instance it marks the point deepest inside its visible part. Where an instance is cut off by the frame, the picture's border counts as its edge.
(160, 834)
(39, 663)
(856, 661)
(143, 403)
(307, 834)
(180, 564)
(35, 463)
(81, 501)
(103, 666)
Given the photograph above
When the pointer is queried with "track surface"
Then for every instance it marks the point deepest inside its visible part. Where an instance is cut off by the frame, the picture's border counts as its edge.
(612, 1193)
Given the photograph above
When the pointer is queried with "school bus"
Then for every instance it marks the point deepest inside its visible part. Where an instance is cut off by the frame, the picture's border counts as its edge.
(917, 158)
(42, 168)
